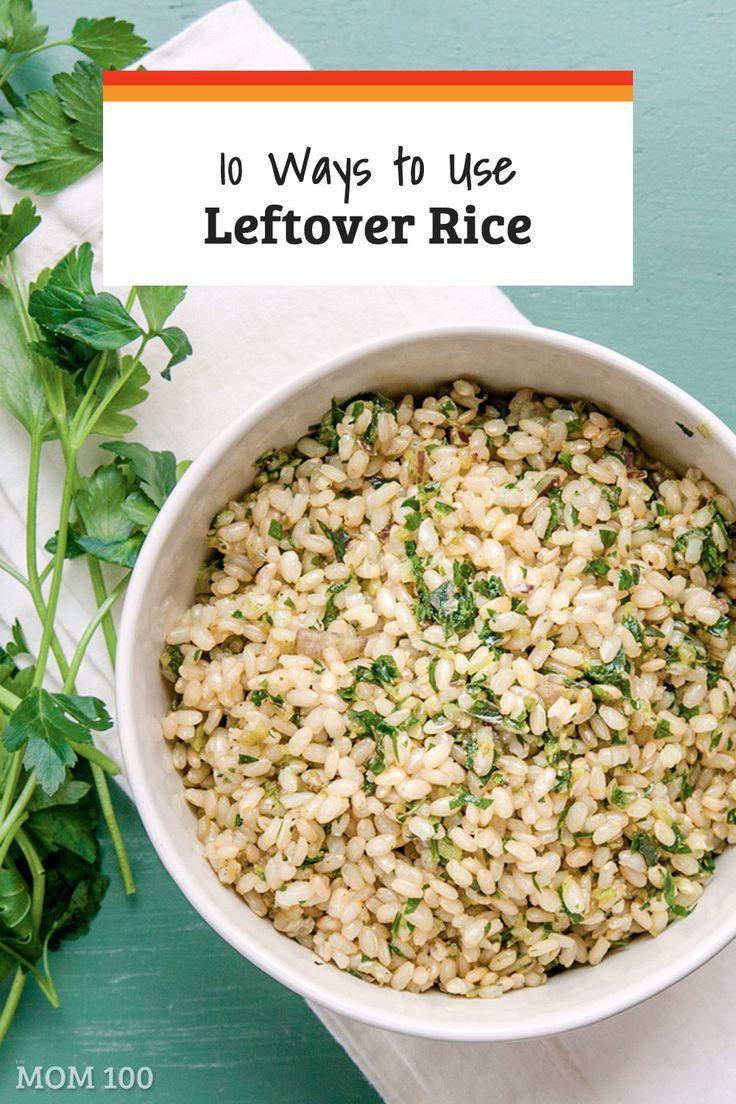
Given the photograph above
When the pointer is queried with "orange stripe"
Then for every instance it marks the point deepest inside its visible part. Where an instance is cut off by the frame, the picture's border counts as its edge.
(349, 94)
(370, 77)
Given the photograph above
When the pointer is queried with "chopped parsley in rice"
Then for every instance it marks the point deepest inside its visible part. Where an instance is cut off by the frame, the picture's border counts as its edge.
(454, 704)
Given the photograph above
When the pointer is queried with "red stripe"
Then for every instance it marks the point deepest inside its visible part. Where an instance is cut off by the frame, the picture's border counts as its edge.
(372, 77)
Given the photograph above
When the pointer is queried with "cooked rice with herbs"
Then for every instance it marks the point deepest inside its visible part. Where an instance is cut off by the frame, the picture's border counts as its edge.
(454, 706)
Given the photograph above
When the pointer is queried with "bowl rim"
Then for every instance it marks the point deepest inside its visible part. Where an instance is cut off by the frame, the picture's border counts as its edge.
(586, 1012)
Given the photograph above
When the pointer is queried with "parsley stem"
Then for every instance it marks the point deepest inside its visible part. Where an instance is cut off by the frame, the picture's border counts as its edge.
(93, 755)
(10, 838)
(105, 603)
(12, 1001)
(102, 613)
(16, 814)
(34, 471)
(102, 598)
(45, 984)
(96, 414)
(61, 543)
(9, 816)
(18, 296)
(34, 581)
(29, 53)
(8, 700)
(108, 812)
(11, 571)
(11, 95)
(88, 398)
(50, 380)
(11, 781)
(37, 873)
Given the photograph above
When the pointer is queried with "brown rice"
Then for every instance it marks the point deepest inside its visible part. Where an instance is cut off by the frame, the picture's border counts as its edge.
(454, 703)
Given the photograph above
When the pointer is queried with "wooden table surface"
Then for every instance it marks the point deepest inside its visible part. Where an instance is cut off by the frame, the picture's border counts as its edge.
(151, 984)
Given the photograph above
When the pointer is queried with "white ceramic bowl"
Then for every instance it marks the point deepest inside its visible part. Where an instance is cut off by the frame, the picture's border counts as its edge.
(504, 359)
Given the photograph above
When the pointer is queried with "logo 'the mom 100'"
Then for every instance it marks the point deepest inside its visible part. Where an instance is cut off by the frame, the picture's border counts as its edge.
(76, 1077)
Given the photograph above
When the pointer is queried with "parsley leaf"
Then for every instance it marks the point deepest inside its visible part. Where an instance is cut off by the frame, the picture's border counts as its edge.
(158, 303)
(627, 579)
(21, 389)
(56, 137)
(113, 421)
(338, 540)
(712, 559)
(620, 797)
(19, 29)
(662, 729)
(104, 530)
(117, 504)
(331, 610)
(39, 143)
(112, 43)
(554, 519)
(492, 587)
(644, 844)
(155, 471)
(679, 847)
(101, 322)
(451, 604)
(487, 712)
(16, 226)
(630, 622)
(720, 627)
(80, 96)
(612, 674)
(597, 566)
(67, 305)
(47, 726)
(669, 892)
(177, 342)
(465, 797)
(431, 673)
(382, 670)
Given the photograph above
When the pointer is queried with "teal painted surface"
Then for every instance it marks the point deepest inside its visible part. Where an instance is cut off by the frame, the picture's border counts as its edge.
(151, 984)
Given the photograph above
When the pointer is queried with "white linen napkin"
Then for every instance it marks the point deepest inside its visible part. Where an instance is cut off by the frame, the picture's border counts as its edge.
(247, 340)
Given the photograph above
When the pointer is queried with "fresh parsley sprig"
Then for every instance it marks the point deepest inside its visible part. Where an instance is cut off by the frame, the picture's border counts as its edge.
(54, 138)
(71, 368)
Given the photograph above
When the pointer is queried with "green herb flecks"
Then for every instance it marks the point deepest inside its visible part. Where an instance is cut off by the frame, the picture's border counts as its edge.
(451, 604)
(465, 797)
(597, 566)
(669, 892)
(382, 671)
(715, 539)
(491, 587)
(337, 538)
(331, 610)
(485, 710)
(615, 674)
(645, 846)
